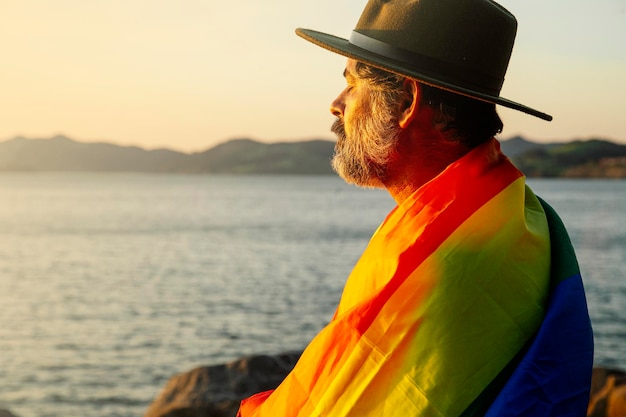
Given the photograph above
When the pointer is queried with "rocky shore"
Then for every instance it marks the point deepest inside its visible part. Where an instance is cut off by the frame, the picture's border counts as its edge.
(215, 391)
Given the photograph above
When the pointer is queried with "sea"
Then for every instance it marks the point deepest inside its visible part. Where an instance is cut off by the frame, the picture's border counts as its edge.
(112, 283)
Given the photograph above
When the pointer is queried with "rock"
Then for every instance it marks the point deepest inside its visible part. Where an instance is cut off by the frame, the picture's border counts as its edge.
(6, 413)
(608, 393)
(216, 391)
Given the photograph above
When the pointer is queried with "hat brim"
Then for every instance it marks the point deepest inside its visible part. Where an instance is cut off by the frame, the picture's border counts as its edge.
(345, 48)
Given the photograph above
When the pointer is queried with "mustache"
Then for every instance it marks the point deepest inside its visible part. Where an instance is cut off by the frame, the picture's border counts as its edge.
(338, 128)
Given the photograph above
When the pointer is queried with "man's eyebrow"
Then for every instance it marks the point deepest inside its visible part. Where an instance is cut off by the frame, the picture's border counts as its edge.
(348, 75)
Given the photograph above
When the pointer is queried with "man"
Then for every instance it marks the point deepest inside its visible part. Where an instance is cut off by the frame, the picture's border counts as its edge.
(468, 300)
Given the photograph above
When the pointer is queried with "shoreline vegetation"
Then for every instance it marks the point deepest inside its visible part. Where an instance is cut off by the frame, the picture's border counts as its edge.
(591, 158)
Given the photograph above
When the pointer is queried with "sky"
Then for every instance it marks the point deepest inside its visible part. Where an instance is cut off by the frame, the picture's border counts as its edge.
(189, 74)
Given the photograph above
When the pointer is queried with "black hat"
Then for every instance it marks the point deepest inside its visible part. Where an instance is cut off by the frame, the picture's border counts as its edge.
(463, 46)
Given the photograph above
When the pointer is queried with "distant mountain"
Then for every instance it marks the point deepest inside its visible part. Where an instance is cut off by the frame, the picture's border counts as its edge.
(517, 145)
(591, 158)
(240, 156)
(245, 156)
(63, 154)
(594, 158)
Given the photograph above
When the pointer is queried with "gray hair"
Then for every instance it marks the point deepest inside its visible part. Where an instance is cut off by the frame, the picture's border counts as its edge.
(457, 117)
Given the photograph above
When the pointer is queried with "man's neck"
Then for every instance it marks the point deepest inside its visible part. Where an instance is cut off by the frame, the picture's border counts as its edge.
(419, 159)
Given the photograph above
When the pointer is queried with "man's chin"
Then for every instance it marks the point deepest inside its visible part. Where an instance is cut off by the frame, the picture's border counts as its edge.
(361, 177)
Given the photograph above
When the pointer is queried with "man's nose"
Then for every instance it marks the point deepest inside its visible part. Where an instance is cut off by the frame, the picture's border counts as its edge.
(337, 106)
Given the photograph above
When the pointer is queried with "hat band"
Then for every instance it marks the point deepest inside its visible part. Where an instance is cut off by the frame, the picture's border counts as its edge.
(427, 65)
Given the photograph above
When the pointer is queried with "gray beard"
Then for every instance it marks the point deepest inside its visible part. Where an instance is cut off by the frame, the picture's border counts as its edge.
(352, 161)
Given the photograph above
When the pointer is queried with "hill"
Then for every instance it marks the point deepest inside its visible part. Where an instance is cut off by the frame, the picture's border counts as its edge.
(241, 156)
(594, 158)
(591, 158)
(63, 154)
(245, 156)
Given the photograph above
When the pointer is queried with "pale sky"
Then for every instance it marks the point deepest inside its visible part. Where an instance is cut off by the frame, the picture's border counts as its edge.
(189, 74)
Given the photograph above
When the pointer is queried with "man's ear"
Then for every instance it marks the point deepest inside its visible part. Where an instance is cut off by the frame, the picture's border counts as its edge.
(409, 106)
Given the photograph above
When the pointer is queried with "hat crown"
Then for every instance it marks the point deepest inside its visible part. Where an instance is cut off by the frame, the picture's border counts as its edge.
(463, 46)
(472, 38)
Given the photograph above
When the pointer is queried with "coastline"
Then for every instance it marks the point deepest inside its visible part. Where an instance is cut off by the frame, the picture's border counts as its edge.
(216, 391)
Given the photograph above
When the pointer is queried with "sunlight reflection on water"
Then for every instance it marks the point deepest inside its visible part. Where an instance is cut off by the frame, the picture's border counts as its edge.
(113, 283)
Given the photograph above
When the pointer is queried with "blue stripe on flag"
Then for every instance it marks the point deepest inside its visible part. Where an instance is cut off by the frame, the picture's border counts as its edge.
(554, 376)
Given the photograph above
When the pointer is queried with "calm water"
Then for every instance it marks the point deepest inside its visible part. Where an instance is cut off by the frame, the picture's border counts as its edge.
(110, 284)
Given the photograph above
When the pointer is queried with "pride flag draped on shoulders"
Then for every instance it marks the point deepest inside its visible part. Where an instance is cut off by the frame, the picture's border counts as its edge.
(467, 301)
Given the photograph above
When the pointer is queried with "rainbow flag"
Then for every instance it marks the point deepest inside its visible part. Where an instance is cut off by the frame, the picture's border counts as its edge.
(467, 301)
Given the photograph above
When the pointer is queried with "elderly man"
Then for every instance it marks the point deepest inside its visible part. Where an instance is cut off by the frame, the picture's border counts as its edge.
(468, 300)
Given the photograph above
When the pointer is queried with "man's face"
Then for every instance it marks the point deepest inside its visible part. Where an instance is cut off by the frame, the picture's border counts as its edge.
(366, 132)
